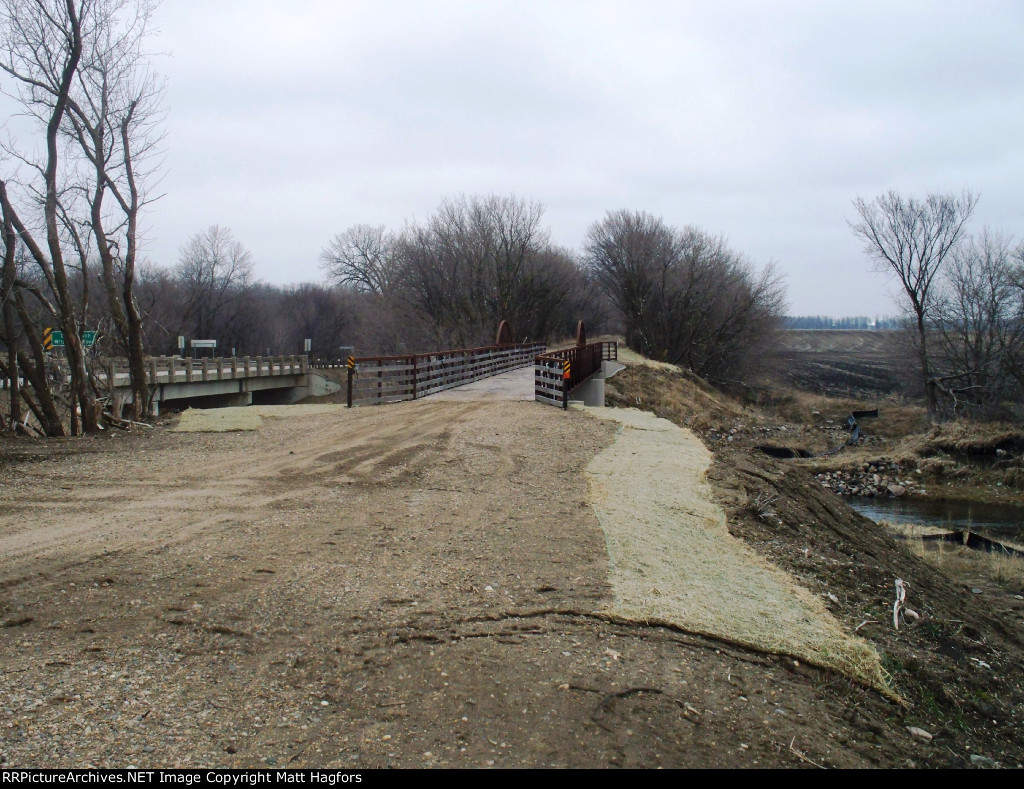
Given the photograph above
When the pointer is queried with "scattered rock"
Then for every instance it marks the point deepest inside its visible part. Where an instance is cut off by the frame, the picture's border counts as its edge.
(921, 734)
(897, 490)
(983, 761)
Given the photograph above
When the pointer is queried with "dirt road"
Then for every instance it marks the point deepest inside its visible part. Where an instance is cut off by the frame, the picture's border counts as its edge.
(414, 585)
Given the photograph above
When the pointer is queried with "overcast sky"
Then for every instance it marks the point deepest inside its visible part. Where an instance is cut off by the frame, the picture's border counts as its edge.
(290, 121)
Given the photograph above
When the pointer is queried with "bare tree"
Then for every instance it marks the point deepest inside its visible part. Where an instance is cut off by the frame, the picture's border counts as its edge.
(114, 117)
(977, 324)
(78, 67)
(913, 239)
(625, 251)
(685, 296)
(216, 274)
(475, 261)
(41, 50)
(361, 257)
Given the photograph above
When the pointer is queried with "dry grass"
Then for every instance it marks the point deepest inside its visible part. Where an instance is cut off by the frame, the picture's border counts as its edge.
(673, 559)
(896, 418)
(678, 396)
(969, 438)
(959, 561)
(629, 356)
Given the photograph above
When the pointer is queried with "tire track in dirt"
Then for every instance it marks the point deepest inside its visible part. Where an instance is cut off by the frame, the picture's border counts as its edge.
(168, 499)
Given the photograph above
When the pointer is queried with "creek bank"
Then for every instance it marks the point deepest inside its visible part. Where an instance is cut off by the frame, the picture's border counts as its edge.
(871, 480)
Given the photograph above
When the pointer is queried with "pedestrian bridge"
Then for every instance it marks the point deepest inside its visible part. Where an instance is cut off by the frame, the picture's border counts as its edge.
(573, 373)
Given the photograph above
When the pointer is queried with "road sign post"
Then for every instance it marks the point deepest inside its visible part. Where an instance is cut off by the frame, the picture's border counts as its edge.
(350, 363)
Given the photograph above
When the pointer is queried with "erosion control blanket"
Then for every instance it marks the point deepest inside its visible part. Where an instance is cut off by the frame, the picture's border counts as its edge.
(673, 560)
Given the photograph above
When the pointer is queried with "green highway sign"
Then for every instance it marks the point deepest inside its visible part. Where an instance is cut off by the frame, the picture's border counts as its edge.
(57, 337)
(88, 339)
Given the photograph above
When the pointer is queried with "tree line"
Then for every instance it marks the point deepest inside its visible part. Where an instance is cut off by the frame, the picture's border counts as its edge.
(852, 323)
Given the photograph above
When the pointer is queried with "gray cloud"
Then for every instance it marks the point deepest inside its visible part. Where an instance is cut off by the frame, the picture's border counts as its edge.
(290, 122)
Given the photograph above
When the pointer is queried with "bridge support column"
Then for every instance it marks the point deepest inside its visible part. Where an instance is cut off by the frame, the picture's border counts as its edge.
(242, 398)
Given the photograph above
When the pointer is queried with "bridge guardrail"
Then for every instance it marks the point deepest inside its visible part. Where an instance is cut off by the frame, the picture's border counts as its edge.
(390, 379)
(174, 369)
(554, 380)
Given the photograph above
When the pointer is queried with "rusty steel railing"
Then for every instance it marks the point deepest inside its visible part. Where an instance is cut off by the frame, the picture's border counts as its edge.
(390, 379)
(557, 373)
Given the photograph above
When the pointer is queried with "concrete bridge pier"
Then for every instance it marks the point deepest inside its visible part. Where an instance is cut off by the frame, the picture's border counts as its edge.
(591, 391)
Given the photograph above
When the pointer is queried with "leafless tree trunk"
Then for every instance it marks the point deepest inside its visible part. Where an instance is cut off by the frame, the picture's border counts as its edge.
(42, 51)
(10, 324)
(91, 89)
(913, 239)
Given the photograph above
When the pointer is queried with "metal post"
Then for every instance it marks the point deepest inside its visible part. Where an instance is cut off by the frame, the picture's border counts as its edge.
(565, 393)
(351, 374)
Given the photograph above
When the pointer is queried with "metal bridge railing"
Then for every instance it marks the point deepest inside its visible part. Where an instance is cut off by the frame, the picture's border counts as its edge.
(557, 373)
(390, 379)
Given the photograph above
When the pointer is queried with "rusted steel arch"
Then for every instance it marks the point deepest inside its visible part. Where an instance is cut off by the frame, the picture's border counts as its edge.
(504, 334)
(581, 334)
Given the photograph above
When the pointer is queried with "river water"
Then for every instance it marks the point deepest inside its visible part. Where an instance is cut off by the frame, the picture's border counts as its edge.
(992, 519)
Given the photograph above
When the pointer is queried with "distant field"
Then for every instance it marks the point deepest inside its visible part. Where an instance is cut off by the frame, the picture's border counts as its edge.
(842, 363)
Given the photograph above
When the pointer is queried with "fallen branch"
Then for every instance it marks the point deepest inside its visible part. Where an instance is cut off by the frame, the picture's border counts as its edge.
(124, 424)
(802, 757)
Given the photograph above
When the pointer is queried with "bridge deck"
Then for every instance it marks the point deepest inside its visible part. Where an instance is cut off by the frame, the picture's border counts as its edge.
(513, 385)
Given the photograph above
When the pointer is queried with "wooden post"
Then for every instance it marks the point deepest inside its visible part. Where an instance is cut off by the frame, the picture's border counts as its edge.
(414, 372)
(351, 375)
(206, 368)
(220, 368)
